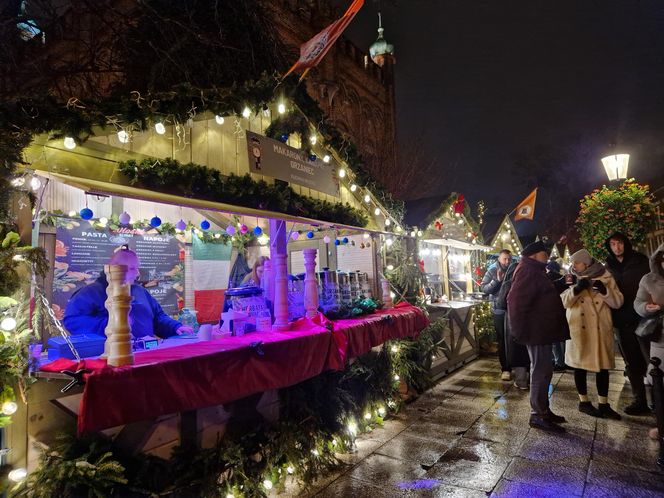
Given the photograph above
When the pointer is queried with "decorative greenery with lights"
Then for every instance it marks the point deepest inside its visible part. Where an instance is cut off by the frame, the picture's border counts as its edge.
(627, 208)
(319, 419)
(201, 182)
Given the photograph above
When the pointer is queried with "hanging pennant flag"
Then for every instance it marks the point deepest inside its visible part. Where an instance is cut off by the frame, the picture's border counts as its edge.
(526, 208)
(313, 51)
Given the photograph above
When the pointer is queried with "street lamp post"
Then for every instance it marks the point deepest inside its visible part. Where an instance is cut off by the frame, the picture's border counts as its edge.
(616, 166)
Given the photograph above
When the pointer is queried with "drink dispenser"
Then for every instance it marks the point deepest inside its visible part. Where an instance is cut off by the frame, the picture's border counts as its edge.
(329, 295)
(344, 287)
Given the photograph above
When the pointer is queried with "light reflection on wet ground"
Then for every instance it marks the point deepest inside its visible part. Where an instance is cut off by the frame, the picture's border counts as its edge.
(469, 437)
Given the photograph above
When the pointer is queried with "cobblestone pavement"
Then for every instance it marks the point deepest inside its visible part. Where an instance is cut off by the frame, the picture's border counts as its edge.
(469, 437)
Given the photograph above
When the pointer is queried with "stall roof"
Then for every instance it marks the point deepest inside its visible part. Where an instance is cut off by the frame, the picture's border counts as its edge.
(92, 168)
(417, 211)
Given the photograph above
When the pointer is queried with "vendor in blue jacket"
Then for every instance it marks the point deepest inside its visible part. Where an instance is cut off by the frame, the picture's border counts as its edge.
(86, 312)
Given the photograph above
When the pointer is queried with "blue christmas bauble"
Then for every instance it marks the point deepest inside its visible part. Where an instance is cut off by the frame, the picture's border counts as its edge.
(284, 138)
(310, 234)
(312, 157)
(155, 222)
(205, 225)
(337, 242)
(86, 213)
(258, 231)
(345, 240)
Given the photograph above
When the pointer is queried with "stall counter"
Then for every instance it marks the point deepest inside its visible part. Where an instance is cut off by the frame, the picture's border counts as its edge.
(200, 374)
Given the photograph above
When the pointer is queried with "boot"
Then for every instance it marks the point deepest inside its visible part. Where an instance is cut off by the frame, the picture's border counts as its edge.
(606, 411)
(587, 408)
(543, 423)
(556, 419)
(637, 407)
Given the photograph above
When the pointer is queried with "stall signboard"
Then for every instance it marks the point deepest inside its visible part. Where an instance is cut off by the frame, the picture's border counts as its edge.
(81, 251)
(276, 159)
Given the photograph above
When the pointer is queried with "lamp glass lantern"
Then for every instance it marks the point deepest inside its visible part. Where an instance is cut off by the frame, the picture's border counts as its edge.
(616, 166)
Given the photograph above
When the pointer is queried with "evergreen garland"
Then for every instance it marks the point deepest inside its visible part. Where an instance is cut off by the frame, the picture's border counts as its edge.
(201, 182)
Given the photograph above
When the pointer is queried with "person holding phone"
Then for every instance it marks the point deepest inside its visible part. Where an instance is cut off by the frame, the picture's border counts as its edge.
(590, 348)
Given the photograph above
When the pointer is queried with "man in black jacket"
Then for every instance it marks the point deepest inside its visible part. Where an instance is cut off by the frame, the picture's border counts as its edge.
(627, 267)
(491, 284)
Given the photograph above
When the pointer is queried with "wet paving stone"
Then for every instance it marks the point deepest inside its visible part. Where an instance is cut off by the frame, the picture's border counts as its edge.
(614, 441)
(472, 464)
(625, 491)
(513, 489)
(347, 486)
(614, 475)
(385, 472)
(567, 481)
(420, 449)
(571, 449)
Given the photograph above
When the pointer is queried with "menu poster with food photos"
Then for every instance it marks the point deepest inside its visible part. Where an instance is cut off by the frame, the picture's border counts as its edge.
(81, 251)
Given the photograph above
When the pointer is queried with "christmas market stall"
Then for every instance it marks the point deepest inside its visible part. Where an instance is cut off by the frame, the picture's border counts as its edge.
(256, 234)
(451, 255)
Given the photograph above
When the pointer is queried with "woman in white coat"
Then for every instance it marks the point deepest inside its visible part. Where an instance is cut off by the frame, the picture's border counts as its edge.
(590, 348)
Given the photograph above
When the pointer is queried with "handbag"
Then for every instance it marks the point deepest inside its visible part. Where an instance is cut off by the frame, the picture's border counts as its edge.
(649, 328)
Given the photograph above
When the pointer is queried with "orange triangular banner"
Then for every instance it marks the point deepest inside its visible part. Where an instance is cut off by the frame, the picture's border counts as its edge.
(313, 51)
(526, 208)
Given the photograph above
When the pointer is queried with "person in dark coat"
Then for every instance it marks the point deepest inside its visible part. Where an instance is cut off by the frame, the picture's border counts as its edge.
(553, 272)
(491, 283)
(517, 354)
(86, 312)
(628, 267)
(537, 320)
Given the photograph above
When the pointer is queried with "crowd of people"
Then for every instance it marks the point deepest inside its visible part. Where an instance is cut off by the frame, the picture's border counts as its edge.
(548, 321)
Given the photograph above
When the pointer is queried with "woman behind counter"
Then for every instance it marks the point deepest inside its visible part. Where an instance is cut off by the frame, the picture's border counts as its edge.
(253, 278)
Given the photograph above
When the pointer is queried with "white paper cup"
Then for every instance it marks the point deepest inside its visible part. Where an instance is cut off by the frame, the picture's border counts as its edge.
(205, 332)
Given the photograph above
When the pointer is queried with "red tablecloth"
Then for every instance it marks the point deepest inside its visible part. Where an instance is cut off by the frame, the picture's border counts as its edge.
(201, 374)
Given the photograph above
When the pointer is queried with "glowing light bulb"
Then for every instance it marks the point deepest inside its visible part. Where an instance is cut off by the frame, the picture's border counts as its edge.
(394, 349)
(389, 242)
(315, 452)
(398, 228)
(123, 136)
(230, 495)
(388, 222)
(366, 235)
(219, 119)
(313, 139)
(290, 469)
(9, 408)
(267, 484)
(367, 416)
(413, 233)
(326, 158)
(17, 475)
(18, 182)
(390, 267)
(397, 378)
(367, 198)
(35, 183)
(103, 221)
(377, 211)
(334, 442)
(218, 236)
(69, 143)
(8, 324)
(263, 240)
(353, 187)
(160, 128)
(419, 233)
(342, 173)
(72, 214)
(381, 411)
(352, 427)
(281, 108)
(246, 112)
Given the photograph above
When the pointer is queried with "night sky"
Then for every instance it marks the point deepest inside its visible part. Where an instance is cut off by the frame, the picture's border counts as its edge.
(548, 85)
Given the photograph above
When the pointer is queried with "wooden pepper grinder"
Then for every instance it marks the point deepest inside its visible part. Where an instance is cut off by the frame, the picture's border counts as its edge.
(118, 332)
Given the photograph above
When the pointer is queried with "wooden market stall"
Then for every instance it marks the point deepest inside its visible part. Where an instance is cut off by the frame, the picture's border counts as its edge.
(186, 390)
(450, 251)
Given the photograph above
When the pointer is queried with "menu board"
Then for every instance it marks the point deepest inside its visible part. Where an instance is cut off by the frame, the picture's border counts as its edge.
(81, 251)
